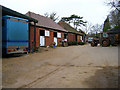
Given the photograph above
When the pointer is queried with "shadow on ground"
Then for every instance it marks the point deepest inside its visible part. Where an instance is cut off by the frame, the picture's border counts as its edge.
(104, 77)
(40, 50)
(13, 55)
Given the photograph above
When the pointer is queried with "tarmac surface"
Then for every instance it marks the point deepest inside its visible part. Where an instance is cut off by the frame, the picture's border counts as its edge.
(63, 67)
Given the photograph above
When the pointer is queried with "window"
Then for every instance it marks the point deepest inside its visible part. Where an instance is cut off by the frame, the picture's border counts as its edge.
(42, 32)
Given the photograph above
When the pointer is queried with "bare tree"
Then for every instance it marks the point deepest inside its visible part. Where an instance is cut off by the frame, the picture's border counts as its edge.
(97, 28)
(113, 4)
(88, 27)
(114, 15)
(114, 18)
(52, 16)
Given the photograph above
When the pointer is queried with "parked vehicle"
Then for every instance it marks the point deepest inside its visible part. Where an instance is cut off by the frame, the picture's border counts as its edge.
(14, 35)
(110, 37)
(89, 40)
(95, 42)
(105, 40)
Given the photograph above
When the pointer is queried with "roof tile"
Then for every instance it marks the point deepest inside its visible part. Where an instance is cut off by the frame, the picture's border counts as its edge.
(45, 22)
(68, 27)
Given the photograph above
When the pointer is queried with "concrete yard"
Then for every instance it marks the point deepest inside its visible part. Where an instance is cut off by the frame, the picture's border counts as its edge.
(63, 67)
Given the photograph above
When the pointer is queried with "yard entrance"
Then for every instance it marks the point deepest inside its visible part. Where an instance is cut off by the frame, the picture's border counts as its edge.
(55, 37)
(42, 37)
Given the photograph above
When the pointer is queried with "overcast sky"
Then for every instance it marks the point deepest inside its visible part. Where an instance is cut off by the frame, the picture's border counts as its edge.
(94, 11)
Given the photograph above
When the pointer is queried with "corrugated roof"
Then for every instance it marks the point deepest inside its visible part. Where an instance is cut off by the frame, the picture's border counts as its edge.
(68, 27)
(45, 22)
(7, 11)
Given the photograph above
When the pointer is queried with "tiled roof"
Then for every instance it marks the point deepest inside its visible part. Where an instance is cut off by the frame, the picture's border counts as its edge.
(8, 11)
(45, 22)
(68, 27)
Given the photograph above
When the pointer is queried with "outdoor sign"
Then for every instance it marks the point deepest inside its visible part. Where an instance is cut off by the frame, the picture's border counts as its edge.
(47, 33)
(59, 35)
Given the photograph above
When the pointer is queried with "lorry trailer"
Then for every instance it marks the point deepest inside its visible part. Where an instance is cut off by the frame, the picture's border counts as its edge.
(15, 33)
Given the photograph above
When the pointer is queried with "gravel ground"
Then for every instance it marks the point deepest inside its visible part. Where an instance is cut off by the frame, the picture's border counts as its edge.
(63, 67)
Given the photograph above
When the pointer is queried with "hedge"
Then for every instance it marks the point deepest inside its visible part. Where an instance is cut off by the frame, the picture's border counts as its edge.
(75, 43)
(81, 43)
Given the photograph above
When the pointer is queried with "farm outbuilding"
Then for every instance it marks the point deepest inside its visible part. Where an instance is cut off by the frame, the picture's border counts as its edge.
(47, 31)
(72, 35)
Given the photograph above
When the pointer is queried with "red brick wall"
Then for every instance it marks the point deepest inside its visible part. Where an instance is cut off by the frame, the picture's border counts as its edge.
(71, 37)
(78, 38)
(60, 39)
(37, 37)
(31, 37)
(49, 40)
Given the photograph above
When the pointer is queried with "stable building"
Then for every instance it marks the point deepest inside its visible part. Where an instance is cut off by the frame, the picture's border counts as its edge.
(72, 34)
(47, 31)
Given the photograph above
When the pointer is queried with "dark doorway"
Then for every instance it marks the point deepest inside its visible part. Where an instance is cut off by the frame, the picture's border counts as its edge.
(42, 32)
(65, 36)
(55, 34)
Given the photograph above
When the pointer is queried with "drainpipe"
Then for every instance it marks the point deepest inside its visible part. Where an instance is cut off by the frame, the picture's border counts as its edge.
(34, 41)
(34, 36)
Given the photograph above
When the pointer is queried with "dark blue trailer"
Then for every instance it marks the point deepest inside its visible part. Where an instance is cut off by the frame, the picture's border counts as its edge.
(15, 33)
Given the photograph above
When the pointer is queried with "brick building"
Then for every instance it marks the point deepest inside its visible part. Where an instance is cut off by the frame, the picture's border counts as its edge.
(72, 35)
(47, 31)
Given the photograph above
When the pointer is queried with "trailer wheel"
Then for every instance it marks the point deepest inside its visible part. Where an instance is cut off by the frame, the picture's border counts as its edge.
(105, 43)
(92, 44)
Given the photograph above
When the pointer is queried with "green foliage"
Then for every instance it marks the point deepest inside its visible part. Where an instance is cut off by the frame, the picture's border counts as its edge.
(81, 43)
(75, 20)
(116, 27)
(70, 43)
(37, 48)
(66, 19)
(74, 43)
